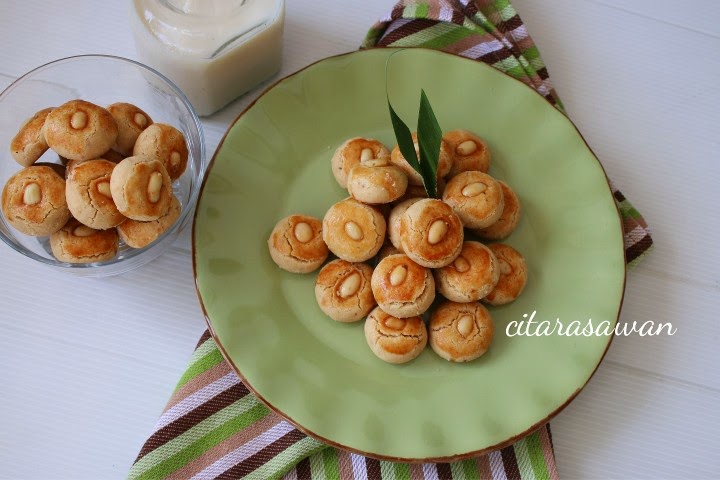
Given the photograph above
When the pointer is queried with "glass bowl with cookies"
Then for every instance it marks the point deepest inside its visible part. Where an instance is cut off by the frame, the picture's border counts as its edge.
(101, 164)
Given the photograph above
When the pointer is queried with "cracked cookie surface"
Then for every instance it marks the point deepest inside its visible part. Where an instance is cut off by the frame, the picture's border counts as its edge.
(87, 189)
(33, 201)
(351, 152)
(513, 275)
(392, 339)
(343, 292)
(471, 276)
(296, 244)
(353, 231)
(78, 243)
(460, 332)
(476, 197)
(402, 287)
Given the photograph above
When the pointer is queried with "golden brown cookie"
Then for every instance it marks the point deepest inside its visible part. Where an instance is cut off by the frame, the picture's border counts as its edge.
(376, 182)
(470, 152)
(80, 130)
(141, 234)
(296, 244)
(401, 287)
(87, 189)
(414, 178)
(395, 340)
(471, 276)
(509, 217)
(476, 197)
(78, 243)
(394, 220)
(343, 291)
(353, 231)
(431, 234)
(33, 201)
(29, 143)
(131, 121)
(165, 143)
(351, 153)
(513, 275)
(460, 332)
(141, 188)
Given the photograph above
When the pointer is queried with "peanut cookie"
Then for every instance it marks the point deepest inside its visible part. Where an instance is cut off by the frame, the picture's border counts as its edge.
(401, 287)
(476, 197)
(471, 276)
(351, 153)
(80, 130)
(78, 243)
(166, 144)
(431, 234)
(343, 292)
(87, 189)
(353, 231)
(29, 143)
(513, 275)
(376, 182)
(460, 332)
(470, 152)
(509, 217)
(141, 188)
(141, 234)
(395, 340)
(131, 121)
(33, 201)
(296, 244)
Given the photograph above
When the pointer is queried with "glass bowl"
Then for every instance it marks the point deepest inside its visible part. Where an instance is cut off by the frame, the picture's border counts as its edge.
(103, 80)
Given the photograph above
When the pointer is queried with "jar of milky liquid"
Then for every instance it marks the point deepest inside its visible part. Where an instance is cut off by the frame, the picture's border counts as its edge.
(214, 50)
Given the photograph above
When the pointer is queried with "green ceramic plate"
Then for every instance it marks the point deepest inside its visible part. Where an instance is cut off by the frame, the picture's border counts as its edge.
(321, 375)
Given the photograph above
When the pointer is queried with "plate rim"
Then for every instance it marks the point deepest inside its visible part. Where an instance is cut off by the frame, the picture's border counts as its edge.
(332, 443)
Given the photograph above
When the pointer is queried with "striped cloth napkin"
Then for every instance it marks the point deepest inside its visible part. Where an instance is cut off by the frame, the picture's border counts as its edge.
(213, 427)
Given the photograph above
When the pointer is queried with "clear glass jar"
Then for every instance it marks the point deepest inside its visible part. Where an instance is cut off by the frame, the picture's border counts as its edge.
(214, 50)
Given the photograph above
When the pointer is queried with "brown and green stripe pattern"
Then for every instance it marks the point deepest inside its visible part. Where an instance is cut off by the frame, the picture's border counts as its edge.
(490, 31)
(213, 427)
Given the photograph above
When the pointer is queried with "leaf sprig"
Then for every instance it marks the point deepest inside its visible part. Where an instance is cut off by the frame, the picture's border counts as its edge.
(429, 137)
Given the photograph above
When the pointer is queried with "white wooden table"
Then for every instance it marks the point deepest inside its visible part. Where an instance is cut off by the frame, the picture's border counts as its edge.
(88, 364)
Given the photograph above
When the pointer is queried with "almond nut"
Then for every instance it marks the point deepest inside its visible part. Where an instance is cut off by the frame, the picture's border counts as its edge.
(83, 231)
(465, 325)
(468, 147)
(473, 189)
(461, 264)
(353, 230)
(394, 323)
(140, 120)
(303, 232)
(154, 186)
(349, 286)
(78, 121)
(366, 154)
(437, 232)
(104, 189)
(505, 267)
(398, 275)
(32, 194)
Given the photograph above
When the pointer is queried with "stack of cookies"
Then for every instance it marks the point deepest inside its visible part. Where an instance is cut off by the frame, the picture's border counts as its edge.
(113, 183)
(396, 249)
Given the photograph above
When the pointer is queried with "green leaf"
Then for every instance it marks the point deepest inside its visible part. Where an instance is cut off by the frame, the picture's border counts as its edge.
(429, 138)
(404, 139)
